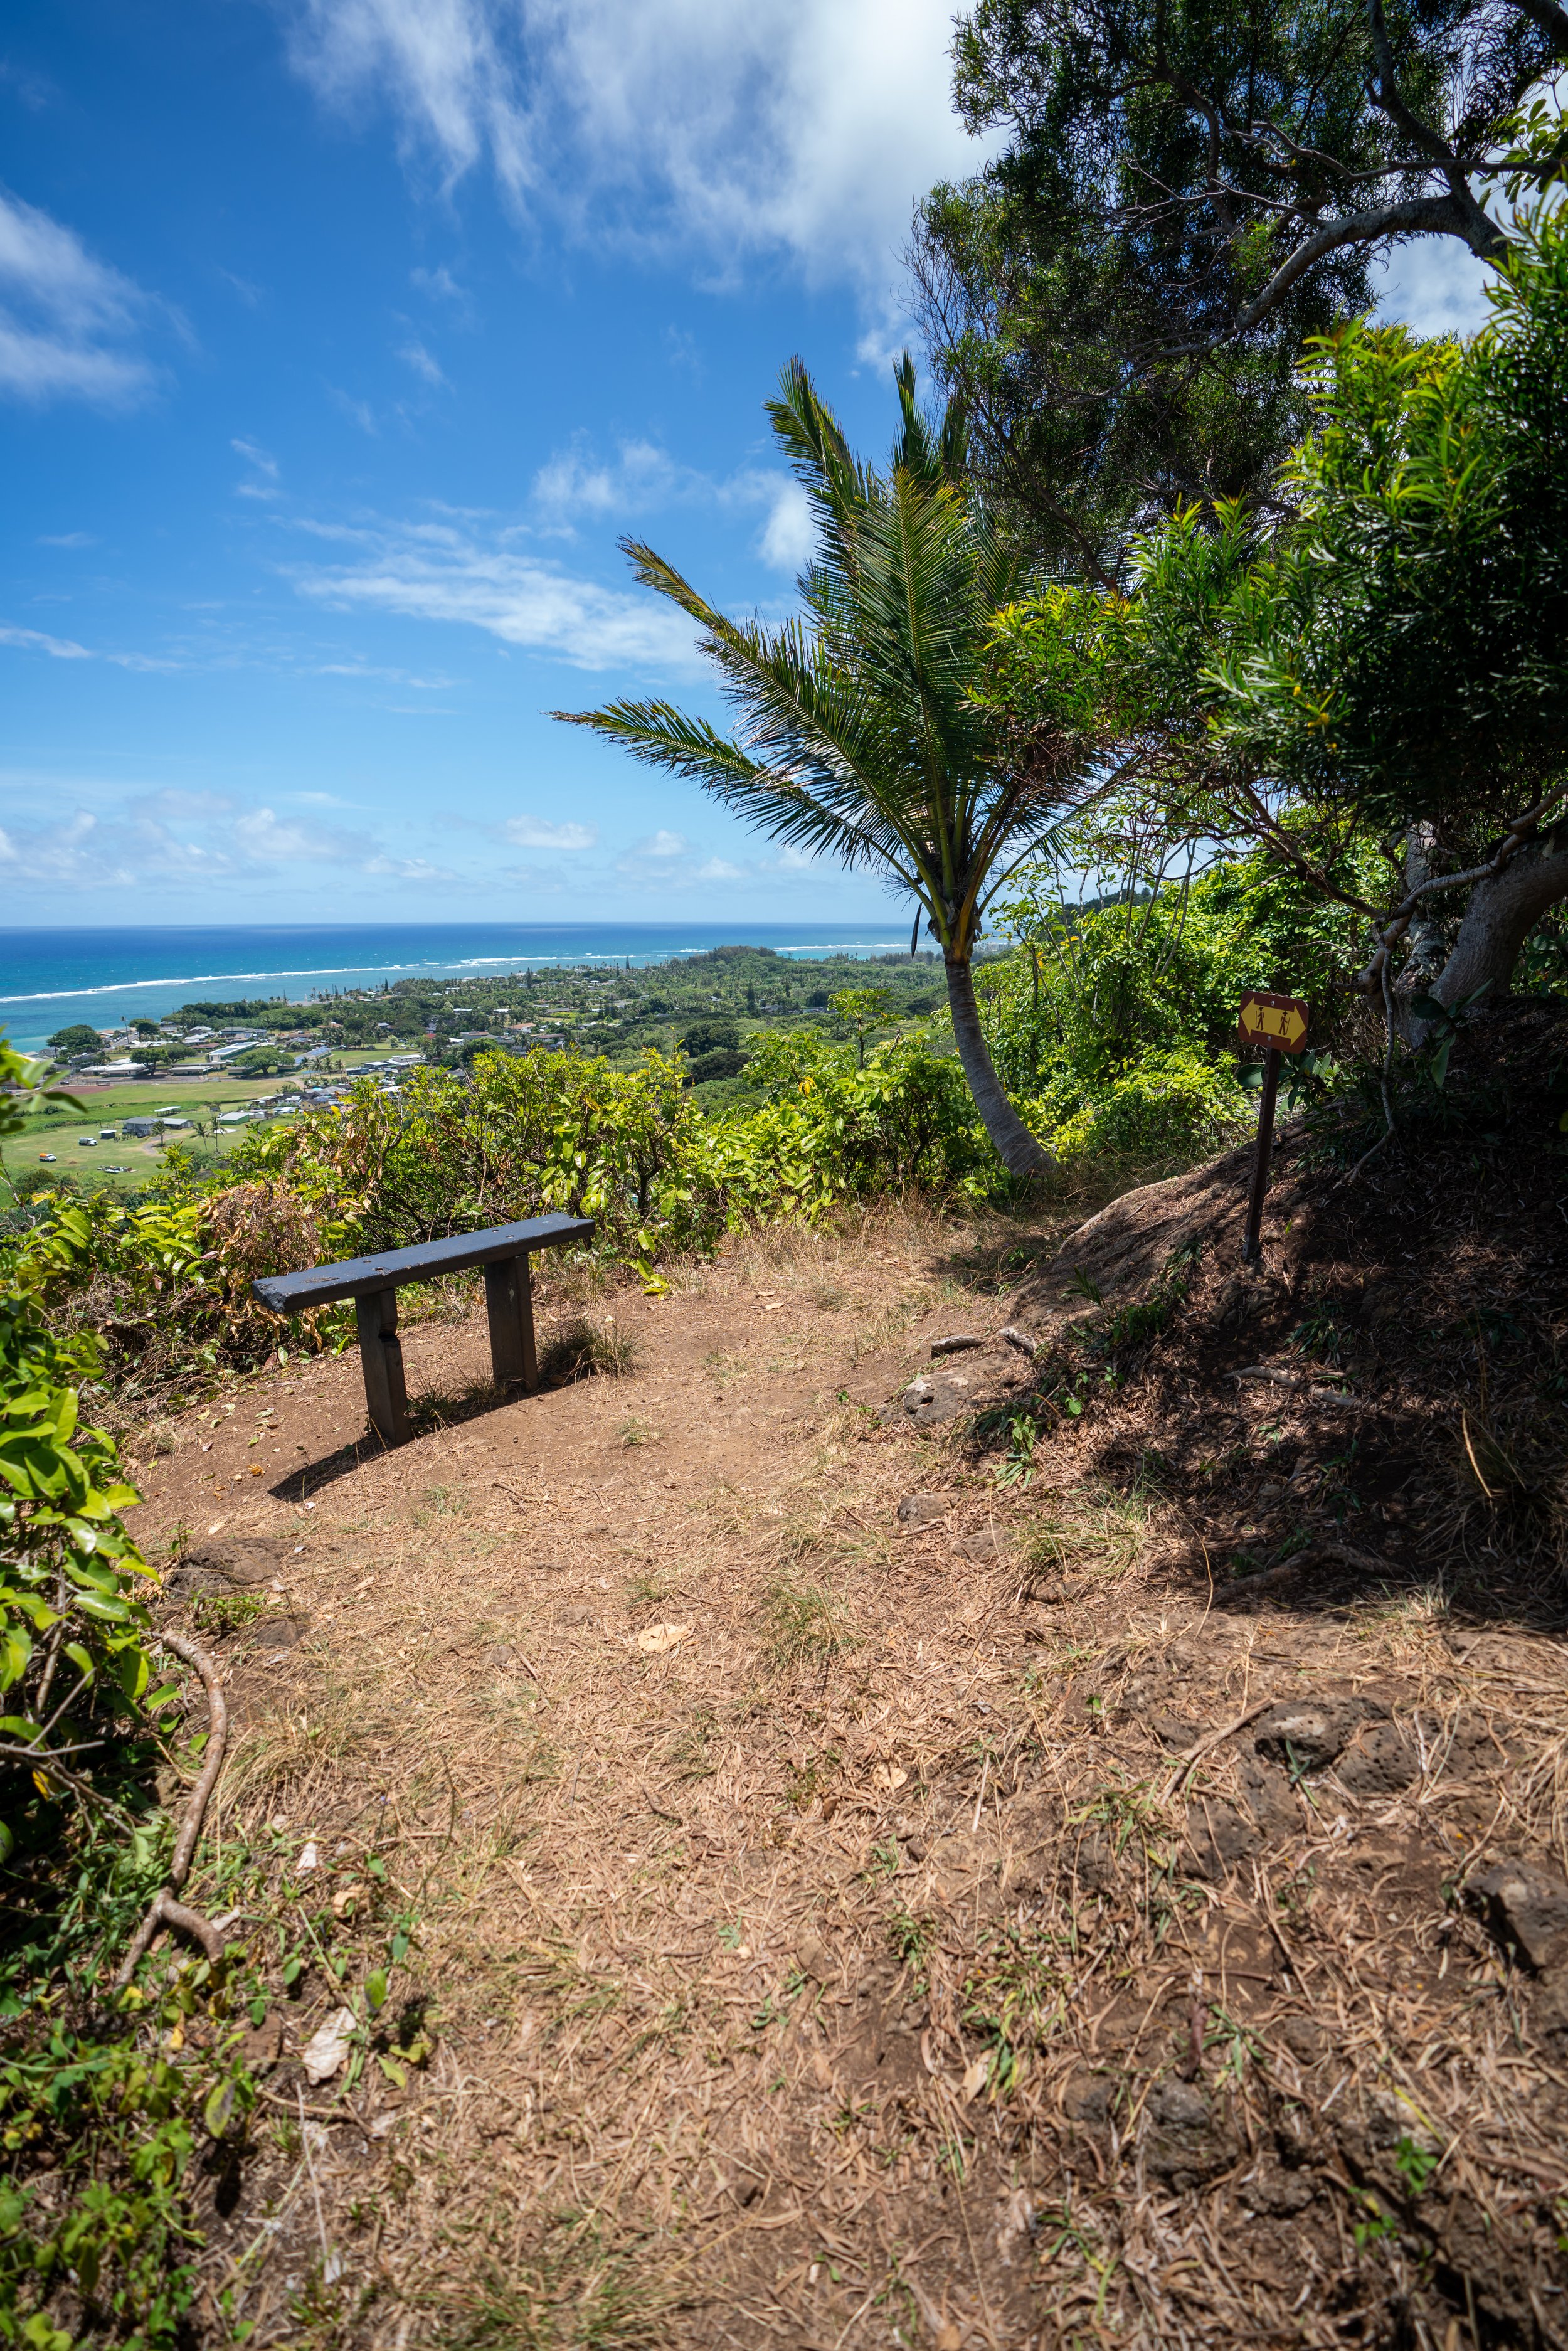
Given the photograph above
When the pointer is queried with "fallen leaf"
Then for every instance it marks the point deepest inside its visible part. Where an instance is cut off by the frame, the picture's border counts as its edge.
(329, 2046)
(889, 1776)
(346, 1900)
(655, 1639)
(309, 1857)
(977, 2076)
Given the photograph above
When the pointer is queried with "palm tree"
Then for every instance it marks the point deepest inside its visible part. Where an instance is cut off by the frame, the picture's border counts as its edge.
(871, 726)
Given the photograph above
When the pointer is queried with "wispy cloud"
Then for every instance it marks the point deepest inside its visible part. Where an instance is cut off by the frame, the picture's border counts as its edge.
(537, 833)
(801, 126)
(179, 836)
(447, 571)
(69, 324)
(263, 483)
(72, 539)
(640, 477)
(428, 369)
(358, 412)
(439, 283)
(34, 641)
(579, 484)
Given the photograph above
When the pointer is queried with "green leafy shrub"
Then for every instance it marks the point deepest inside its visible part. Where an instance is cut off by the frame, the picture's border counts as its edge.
(1176, 1104)
(74, 1663)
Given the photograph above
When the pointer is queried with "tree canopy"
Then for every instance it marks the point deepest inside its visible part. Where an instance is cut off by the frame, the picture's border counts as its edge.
(1186, 193)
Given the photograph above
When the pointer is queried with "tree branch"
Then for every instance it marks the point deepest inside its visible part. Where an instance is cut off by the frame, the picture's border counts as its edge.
(1551, 19)
(1413, 216)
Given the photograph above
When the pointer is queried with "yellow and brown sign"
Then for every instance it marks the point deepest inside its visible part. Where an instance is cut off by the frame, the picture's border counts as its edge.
(1277, 1020)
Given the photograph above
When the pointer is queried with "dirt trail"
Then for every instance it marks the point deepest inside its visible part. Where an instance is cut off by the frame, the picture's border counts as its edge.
(816, 1938)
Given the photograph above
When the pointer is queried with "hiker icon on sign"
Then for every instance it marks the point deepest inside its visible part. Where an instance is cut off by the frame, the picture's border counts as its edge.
(1280, 1021)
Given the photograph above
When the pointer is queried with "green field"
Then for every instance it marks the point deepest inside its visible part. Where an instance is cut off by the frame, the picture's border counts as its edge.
(61, 1130)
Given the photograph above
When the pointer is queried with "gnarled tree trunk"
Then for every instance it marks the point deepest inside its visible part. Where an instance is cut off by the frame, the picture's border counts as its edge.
(1021, 1153)
(1501, 912)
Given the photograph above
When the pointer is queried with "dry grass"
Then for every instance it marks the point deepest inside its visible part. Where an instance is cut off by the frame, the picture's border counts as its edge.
(856, 1970)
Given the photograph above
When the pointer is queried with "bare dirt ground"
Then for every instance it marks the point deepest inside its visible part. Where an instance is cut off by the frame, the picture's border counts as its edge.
(872, 1884)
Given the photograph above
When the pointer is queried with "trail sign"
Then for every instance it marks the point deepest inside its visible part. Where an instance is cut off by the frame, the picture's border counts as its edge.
(1280, 1024)
(1277, 1021)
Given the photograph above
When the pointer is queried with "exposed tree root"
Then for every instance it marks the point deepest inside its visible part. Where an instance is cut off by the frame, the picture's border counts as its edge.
(166, 1909)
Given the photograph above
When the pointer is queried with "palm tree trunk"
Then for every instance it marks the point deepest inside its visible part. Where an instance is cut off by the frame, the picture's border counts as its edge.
(1020, 1153)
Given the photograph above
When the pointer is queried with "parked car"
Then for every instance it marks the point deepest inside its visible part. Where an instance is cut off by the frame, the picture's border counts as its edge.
(47, 1157)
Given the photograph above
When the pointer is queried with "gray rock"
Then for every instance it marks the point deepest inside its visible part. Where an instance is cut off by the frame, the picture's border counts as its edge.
(921, 1510)
(1182, 2145)
(1548, 2011)
(959, 1344)
(928, 1402)
(1311, 1732)
(1379, 1761)
(1527, 1908)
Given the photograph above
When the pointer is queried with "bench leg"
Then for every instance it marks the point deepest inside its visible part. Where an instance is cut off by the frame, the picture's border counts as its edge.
(508, 1302)
(381, 1357)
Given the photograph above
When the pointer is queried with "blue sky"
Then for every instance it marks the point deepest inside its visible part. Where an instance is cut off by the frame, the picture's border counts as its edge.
(339, 340)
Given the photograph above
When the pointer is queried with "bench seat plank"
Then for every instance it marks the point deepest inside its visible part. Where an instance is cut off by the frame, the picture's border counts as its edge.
(364, 1277)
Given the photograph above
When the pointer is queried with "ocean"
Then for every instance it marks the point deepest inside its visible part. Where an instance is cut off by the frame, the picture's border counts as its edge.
(49, 978)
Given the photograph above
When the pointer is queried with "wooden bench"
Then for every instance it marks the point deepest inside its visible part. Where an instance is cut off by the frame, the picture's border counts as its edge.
(373, 1283)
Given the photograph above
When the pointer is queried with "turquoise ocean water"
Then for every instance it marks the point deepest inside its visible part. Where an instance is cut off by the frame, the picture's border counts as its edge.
(49, 978)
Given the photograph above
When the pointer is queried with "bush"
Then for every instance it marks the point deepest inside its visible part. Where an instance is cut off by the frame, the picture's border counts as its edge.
(721, 1063)
(710, 1037)
(1177, 1104)
(74, 1659)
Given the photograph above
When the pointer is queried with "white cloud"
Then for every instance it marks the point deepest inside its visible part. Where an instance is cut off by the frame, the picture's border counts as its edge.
(34, 641)
(718, 869)
(68, 538)
(1435, 285)
(441, 571)
(439, 283)
(637, 477)
(358, 412)
(266, 466)
(179, 836)
(407, 869)
(67, 321)
(535, 833)
(790, 533)
(427, 368)
(802, 126)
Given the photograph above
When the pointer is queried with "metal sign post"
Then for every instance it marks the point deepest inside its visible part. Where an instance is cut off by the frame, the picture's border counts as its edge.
(1280, 1024)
